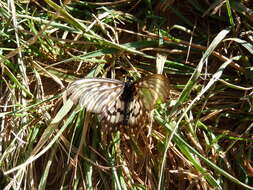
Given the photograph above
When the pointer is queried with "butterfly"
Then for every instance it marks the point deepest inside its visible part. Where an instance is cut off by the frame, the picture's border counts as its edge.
(118, 102)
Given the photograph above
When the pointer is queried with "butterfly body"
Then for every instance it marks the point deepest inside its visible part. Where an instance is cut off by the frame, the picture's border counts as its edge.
(127, 97)
(117, 102)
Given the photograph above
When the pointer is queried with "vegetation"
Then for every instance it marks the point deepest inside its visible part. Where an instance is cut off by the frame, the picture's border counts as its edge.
(200, 139)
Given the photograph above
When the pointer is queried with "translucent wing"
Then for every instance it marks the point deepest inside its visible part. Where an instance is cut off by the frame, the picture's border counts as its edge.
(97, 95)
(151, 89)
(147, 92)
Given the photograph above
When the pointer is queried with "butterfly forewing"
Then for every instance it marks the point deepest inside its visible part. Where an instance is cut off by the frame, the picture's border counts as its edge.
(95, 94)
(151, 89)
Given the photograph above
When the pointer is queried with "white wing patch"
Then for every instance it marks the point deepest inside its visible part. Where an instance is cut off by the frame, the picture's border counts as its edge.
(136, 112)
(114, 113)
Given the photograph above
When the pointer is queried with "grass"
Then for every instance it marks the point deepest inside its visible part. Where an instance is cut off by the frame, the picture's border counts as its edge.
(200, 139)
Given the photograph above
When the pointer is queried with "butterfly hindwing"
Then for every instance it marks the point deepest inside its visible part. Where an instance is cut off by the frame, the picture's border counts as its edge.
(114, 113)
(136, 111)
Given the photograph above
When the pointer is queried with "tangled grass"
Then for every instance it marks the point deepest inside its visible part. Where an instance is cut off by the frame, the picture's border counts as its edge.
(200, 139)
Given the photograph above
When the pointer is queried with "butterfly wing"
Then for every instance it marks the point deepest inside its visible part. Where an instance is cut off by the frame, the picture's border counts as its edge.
(100, 96)
(152, 89)
(148, 91)
(114, 113)
(137, 113)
